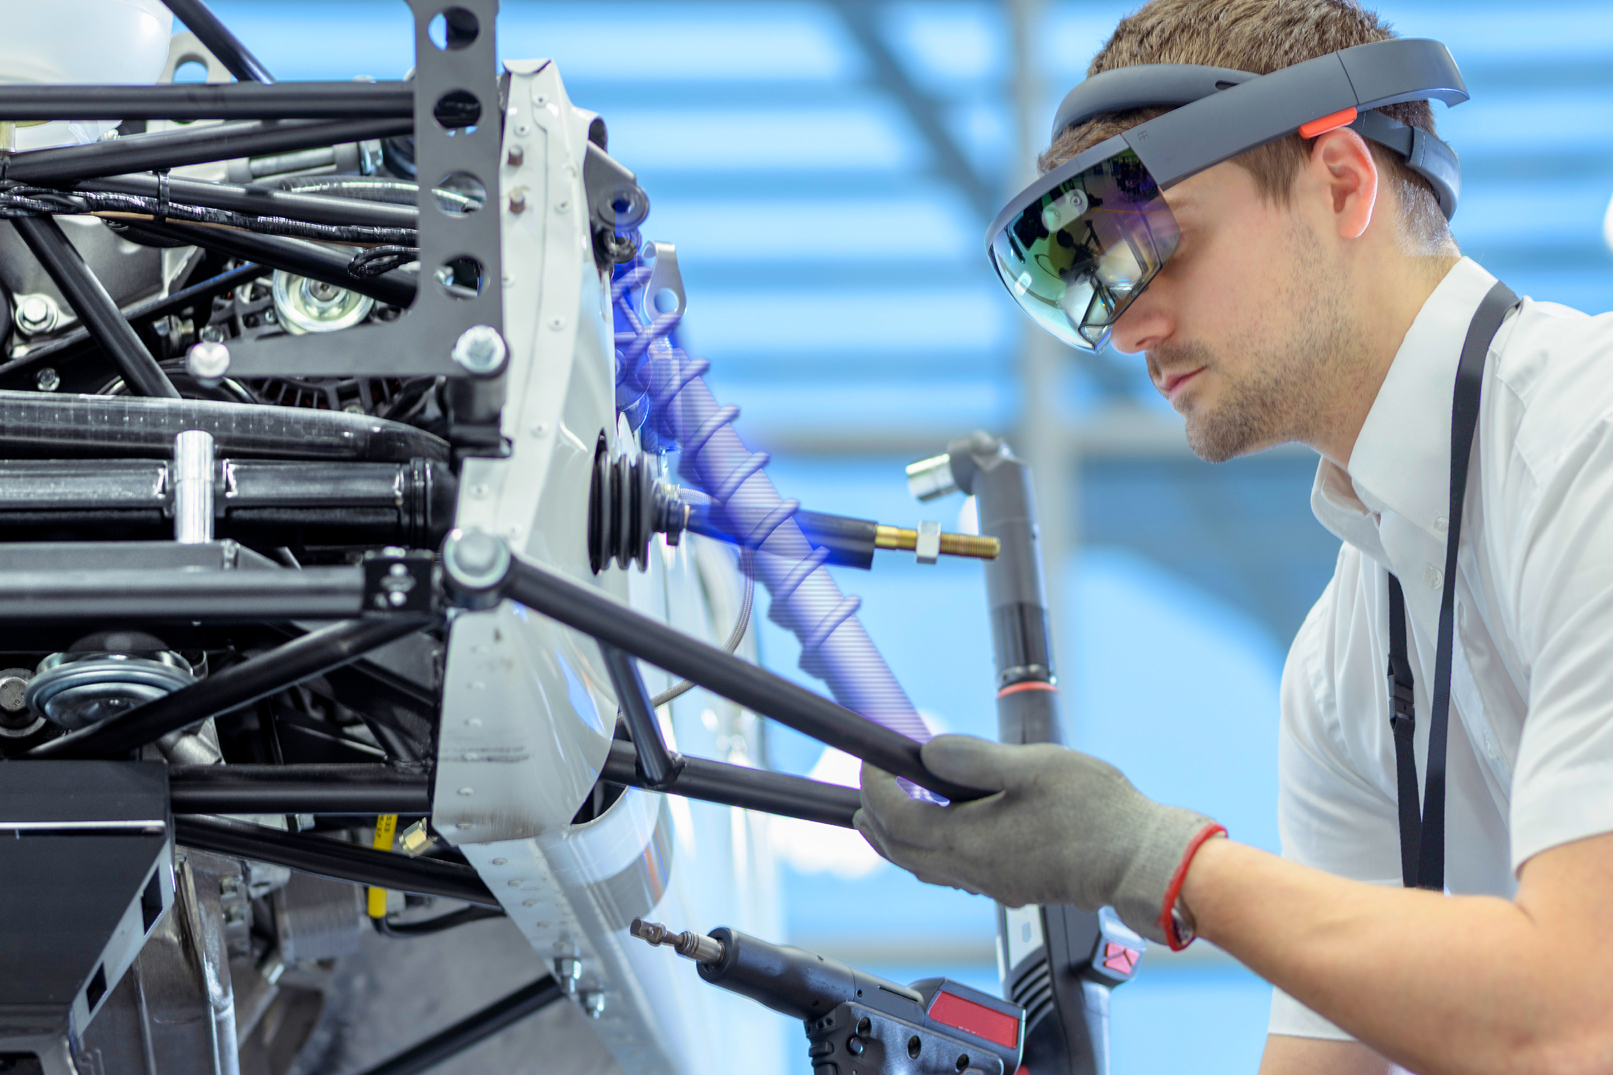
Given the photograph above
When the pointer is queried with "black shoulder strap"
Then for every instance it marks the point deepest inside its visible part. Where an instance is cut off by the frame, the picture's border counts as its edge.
(1424, 867)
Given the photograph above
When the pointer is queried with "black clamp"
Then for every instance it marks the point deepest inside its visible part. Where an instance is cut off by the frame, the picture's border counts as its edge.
(1402, 702)
(399, 581)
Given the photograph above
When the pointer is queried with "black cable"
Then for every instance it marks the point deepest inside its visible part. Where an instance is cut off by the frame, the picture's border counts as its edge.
(448, 921)
(22, 200)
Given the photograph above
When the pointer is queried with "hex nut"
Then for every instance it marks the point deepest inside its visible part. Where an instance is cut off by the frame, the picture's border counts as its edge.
(481, 351)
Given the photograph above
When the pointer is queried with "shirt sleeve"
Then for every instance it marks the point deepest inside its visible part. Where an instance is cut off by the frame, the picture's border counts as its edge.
(1561, 578)
(1331, 815)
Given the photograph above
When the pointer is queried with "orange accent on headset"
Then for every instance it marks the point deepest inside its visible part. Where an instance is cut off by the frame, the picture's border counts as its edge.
(1030, 685)
(1327, 123)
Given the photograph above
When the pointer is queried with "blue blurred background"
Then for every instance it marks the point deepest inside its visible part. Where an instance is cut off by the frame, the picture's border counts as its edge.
(826, 170)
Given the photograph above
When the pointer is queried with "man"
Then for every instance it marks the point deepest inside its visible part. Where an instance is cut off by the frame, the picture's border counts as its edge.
(1314, 294)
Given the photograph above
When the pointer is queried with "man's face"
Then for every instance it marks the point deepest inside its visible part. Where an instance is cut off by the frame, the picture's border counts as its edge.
(1244, 329)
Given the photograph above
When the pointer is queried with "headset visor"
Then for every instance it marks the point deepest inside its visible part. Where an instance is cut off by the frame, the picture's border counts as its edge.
(1076, 257)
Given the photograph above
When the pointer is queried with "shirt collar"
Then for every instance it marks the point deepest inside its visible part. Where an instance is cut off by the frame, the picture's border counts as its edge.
(1402, 458)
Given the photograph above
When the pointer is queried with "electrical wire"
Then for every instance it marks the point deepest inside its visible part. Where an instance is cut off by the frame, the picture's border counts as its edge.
(386, 926)
(740, 627)
(22, 200)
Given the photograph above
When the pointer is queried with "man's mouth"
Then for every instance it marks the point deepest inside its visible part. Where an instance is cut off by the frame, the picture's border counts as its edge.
(1173, 382)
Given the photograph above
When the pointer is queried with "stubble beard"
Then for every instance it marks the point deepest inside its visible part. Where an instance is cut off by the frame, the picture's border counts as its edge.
(1281, 393)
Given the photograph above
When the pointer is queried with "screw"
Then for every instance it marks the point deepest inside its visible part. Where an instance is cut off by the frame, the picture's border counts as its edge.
(37, 313)
(481, 351)
(48, 380)
(208, 362)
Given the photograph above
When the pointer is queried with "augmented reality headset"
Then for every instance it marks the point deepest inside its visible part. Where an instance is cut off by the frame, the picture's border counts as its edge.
(1077, 246)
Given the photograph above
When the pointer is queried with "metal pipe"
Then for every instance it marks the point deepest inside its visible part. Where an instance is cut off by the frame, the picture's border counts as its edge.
(180, 595)
(200, 145)
(472, 1029)
(101, 316)
(40, 425)
(192, 101)
(241, 684)
(219, 41)
(335, 859)
(193, 487)
(261, 201)
(297, 789)
(741, 786)
(298, 256)
(755, 688)
(654, 762)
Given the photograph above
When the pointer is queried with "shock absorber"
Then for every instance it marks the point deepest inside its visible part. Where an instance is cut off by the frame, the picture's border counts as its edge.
(663, 388)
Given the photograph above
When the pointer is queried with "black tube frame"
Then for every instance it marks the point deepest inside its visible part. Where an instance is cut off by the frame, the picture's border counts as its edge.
(719, 671)
(655, 763)
(261, 201)
(472, 1029)
(77, 343)
(241, 684)
(361, 790)
(177, 595)
(335, 859)
(192, 101)
(219, 41)
(738, 785)
(200, 145)
(94, 307)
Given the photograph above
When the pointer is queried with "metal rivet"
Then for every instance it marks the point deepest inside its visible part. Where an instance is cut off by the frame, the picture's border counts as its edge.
(540, 428)
(514, 882)
(563, 205)
(523, 128)
(472, 756)
(474, 722)
(500, 862)
(532, 903)
(518, 202)
(558, 323)
(516, 157)
(467, 791)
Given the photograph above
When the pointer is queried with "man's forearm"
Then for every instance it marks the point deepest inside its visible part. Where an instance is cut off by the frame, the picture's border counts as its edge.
(1465, 985)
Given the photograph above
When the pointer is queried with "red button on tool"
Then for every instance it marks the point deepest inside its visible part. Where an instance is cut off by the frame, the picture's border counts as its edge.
(1120, 959)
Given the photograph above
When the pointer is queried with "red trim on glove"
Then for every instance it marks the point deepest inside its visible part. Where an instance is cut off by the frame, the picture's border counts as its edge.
(1167, 923)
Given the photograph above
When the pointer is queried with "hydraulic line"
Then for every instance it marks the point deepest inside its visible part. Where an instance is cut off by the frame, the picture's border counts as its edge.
(806, 600)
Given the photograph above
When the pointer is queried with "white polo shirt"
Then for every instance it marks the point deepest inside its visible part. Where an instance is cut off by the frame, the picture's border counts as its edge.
(1531, 730)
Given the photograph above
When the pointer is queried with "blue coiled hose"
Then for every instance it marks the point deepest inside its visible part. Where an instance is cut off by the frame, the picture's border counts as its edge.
(663, 390)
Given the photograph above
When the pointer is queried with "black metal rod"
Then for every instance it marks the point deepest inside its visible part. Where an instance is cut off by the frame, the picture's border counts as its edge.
(101, 316)
(737, 785)
(77, 341)
(654, 761)
(261, 201)
(219, 41)
(335, 859)
(180, 595)
(297, 789)
(199, 145)
(472, 1029)
(241, 684)
(293, 255)
(192, 101)
(757, 689)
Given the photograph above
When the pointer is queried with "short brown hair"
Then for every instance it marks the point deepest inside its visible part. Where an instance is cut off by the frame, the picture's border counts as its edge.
(1260, 36)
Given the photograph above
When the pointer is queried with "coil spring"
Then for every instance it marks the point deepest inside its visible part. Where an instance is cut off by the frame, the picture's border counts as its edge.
(861, 680)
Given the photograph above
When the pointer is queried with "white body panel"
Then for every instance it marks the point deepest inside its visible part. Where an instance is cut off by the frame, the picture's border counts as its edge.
(527, 707)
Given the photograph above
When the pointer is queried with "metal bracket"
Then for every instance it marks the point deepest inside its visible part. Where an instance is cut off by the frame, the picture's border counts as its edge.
(420, 342)
(398, 581)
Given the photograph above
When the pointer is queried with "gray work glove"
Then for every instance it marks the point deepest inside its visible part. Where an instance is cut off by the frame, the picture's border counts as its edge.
(1064, 827)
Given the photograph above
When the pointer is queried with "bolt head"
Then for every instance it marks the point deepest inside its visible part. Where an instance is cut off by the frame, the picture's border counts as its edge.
(516, 157)
(47, 380)
(208, 361)
(37, 313)
(475, 559)
(481, 351)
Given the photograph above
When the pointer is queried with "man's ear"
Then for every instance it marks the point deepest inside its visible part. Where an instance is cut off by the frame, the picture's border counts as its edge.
(1342, 165)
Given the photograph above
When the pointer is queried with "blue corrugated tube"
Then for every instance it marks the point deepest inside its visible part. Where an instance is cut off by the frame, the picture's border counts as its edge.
(663, 388)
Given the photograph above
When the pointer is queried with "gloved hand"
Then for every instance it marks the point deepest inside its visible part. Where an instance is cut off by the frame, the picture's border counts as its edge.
(1064, 827)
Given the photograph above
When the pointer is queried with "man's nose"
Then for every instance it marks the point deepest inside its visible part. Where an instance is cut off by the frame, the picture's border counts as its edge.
(1143, 326)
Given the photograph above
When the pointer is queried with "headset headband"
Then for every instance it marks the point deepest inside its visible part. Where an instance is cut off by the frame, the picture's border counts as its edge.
(1218, 112)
